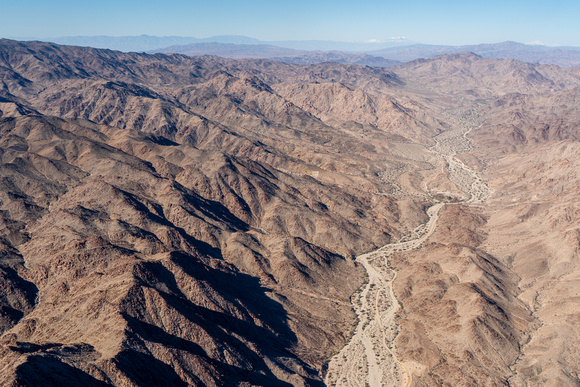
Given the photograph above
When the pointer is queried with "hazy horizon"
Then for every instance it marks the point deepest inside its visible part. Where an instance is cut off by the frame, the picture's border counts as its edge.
(395, 39)
(447, 22)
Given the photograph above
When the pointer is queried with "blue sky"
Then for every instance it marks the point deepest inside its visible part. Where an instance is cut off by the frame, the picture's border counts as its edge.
(435, 22)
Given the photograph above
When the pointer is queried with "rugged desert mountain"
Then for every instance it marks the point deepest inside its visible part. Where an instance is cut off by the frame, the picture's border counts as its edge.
(519, 121)
(193, 221)
(490, 299)
(205, 225)
(150, 253)
(476, 77)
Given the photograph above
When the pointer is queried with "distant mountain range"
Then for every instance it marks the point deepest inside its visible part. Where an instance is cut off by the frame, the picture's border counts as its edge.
(561, 56)
(376, 54)
(267, 51)
(230, 50)
(386, 57)
(313, 57)
(143, 43)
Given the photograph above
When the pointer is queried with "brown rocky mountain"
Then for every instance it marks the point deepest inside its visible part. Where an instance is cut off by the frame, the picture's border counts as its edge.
(170, 220)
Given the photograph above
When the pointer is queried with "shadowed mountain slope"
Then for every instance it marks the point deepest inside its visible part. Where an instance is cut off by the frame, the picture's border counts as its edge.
(192, 221)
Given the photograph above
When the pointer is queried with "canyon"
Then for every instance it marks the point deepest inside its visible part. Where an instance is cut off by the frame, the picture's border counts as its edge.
(175, 220)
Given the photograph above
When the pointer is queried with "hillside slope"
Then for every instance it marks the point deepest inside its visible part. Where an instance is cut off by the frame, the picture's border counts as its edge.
(193, 221)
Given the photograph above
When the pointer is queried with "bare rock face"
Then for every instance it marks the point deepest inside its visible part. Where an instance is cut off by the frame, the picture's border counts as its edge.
(168, 220)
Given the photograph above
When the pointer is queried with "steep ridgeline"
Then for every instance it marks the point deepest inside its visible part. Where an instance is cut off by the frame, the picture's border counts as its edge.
(177, 220)
(173, 220)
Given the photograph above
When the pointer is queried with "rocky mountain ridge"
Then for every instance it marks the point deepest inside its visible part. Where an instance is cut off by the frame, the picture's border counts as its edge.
(192, 221)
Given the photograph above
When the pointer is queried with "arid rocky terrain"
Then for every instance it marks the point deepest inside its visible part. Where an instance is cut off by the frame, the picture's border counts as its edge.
(174, 220)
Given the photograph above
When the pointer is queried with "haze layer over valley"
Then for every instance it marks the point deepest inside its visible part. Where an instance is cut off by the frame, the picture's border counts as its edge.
(178, 220)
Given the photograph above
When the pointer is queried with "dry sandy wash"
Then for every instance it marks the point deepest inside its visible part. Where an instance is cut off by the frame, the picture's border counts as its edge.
(370, 357)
